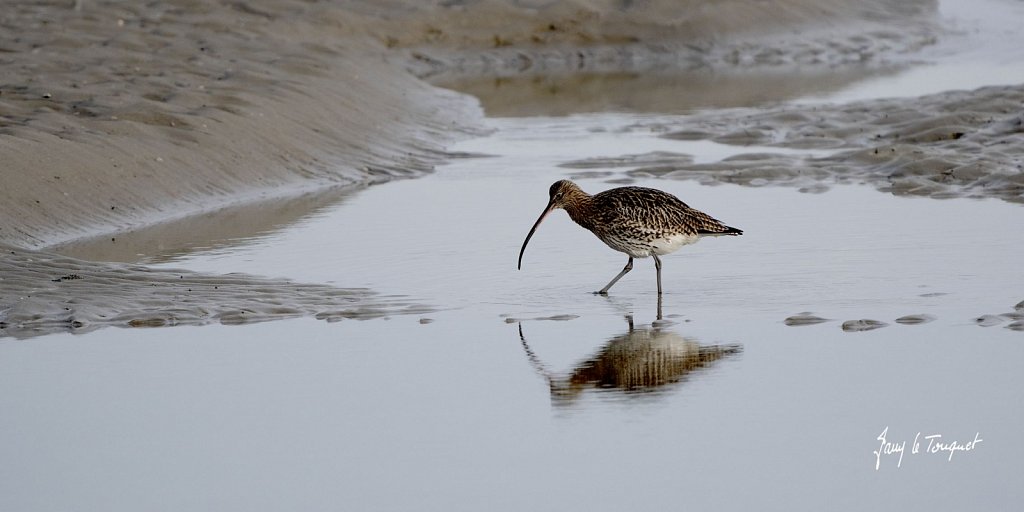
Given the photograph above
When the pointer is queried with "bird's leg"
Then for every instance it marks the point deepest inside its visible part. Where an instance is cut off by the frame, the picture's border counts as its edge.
(657, 266)
(629, 266)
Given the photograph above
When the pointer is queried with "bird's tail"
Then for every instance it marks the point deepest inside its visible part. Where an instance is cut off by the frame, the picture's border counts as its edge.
(725, 230)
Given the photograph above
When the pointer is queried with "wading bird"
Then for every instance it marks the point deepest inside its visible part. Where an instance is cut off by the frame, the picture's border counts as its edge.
(638, 221)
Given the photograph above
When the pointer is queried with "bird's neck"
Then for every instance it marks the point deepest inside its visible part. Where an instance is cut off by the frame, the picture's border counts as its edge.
(580, 207)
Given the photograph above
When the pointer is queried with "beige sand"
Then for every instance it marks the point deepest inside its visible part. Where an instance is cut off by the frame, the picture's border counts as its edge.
(119, 115)
(501, 37)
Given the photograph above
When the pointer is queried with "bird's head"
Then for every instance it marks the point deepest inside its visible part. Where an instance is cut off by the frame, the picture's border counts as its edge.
(560, 194)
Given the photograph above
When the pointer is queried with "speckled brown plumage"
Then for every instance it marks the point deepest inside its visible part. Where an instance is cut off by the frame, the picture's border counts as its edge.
(636, 215)
(638, 221)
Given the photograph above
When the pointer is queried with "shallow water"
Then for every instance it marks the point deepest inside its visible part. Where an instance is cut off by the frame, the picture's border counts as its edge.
(984, 47)
(981, 44)
(451, 239)
(523, 389)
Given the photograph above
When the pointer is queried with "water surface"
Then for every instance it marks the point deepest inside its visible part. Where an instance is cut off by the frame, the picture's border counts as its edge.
(524, 390)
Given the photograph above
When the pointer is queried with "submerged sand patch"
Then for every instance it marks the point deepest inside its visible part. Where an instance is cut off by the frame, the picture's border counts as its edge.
(43, 293)
(951, 144)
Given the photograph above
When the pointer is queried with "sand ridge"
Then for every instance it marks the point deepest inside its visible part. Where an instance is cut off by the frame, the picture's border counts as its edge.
(120, 114)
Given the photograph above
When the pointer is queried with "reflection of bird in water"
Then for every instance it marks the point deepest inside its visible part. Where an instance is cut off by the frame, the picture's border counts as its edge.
(638, 221)
(641, 360)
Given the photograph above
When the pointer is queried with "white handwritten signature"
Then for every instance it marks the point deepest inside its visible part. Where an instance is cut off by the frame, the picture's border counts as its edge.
(936, 444)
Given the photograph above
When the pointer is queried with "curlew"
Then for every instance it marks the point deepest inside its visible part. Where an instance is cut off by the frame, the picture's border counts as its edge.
(638, 221)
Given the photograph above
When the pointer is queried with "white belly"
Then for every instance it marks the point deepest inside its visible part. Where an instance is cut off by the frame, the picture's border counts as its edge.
(658, 246)
(669, 244)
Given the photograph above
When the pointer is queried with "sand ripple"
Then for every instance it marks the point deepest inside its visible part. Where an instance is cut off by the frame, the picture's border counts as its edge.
(922, 318)
(863, 324)
(805, 318)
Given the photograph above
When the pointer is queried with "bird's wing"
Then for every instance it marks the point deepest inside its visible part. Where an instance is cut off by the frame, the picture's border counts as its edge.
(646, 220)
(650, 210)
(667, 217)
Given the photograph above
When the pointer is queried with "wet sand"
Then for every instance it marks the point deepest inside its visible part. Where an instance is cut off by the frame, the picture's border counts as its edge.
(171, 118)
(45, 293)
(952, 144)
(117, 115)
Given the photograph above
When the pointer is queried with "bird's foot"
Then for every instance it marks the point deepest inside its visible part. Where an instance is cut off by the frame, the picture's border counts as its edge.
(602, 292)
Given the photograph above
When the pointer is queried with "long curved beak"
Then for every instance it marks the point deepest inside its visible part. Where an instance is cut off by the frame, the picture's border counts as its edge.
(547, 210)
